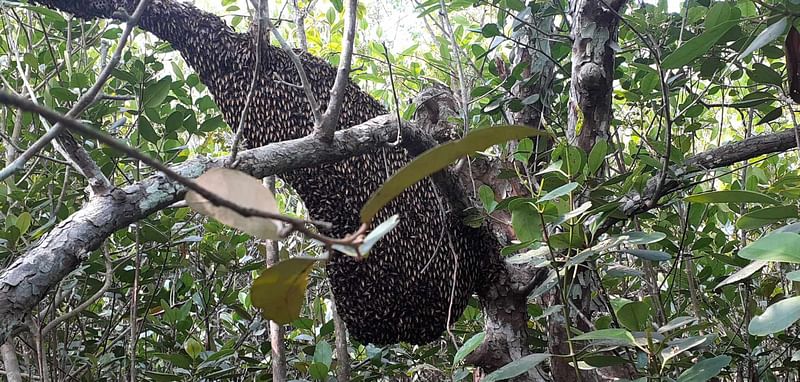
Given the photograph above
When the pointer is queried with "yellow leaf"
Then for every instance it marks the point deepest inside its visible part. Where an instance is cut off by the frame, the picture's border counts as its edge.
(280, 289)
(242, 189)
(438, 158)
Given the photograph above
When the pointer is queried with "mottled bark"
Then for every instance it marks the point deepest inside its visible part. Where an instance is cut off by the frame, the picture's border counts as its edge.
(594, 34)
(26, 282)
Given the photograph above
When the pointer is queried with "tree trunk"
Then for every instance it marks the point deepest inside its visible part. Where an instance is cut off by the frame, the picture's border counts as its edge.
(594, 34)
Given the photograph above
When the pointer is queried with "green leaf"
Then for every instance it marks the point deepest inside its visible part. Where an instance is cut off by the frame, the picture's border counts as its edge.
(486, 195)
(468, 347)
(772, 115)
(517, 367)
(146, 130)
(765, 216)
(793, 276)
(634, 315)
(696, 46)
(526, 222)
(491, 30)
(777, 246)
(717, 14)
(648, 254)
(731, 196)
(641, 238)
(192, 347)
(681, 345)
(597, 155)
(318, 371)
(705, 369)
(480, 91)
(742, 274)
(764, 74)
(524, 150)
(323, 353)
(613, 335)
(378, 233)
(23, 222)
(155, 93)
(777, 317)
(279, 291)
(766, 36)
(438, 158)
(558, 192)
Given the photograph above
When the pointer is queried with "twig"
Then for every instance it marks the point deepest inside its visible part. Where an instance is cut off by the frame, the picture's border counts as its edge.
(300, 24)
(326, 126)
(84, 102)
(301, 72)
(461, 79)
(108, 277)
(295, 224)
(396, 102)
(243, 117)
(343, 369)
(276, 330)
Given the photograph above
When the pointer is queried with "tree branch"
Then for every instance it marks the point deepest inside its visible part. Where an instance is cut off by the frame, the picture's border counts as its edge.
(29, 278)
(722, 156)
(330, 119)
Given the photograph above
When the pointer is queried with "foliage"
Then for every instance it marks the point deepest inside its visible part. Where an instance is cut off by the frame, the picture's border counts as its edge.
(701, 287)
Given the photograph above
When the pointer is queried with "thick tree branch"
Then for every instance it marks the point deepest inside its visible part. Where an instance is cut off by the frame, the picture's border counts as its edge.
(722, 156)
(27, 280)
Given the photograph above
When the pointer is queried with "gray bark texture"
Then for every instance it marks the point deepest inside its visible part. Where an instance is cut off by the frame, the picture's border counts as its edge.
(26, 281)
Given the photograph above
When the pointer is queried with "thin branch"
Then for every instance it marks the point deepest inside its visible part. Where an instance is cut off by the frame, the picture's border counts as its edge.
(295, 224)
(462, 81)
(243, 117)
(25, 283)
(330, 119)
(84, 102)
(394, 94)
(300, 24)
(108, 277)
(301, 72)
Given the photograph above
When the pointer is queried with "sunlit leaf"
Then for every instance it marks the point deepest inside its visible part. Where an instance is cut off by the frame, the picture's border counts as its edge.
(242, 189)
(280, 289)
(371, 239)
(438, 158)
(731, 196)
(641, 238)
(558, 192)
(468, 347)
(776, 317)
(765, 216)
(612, 335)
(675, 323)
(705, 369)
(766, 36)
(777, 246)
(192, 347)
(678, 346)
(516, 367)
(742, 274)
(697, 46)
